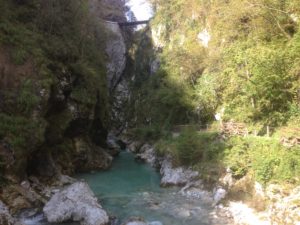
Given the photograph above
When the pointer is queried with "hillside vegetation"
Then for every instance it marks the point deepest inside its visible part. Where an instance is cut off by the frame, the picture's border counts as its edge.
(53, 91)
(249, 67)
(238, 58)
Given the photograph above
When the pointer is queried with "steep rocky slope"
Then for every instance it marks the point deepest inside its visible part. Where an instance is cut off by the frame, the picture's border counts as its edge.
(54, 91)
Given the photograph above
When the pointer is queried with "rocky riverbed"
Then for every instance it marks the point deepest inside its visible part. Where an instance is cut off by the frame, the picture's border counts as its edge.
(134, 193)
(273, 204)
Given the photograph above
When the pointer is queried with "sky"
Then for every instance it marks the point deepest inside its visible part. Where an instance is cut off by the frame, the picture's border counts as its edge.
(141, 9)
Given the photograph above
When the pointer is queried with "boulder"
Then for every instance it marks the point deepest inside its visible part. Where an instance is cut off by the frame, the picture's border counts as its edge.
(284, 209)
(195, 189)
(5, 217)
(178, 176)
(21, 196)
(147, 154)
(77, 203)
(155, 223)
(135, 146)
(113, 144)
(219, 194)
(135, 221)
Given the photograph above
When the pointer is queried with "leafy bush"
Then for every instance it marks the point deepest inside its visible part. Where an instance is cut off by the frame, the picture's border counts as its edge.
(20, 131)
(148, 133)
(188, 148)
(237, 157)
(191, 147)
(267, 158)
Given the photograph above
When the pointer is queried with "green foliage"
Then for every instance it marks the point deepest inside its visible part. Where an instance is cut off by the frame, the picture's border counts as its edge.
(188, 148)
(21, 132)
(148, 133)
(237, 157)
(27, 100)
(251, 65)
(59, 44)
(191, 147)
(267, 158)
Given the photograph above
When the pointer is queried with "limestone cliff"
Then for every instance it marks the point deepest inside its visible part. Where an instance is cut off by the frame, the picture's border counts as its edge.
(54, 94)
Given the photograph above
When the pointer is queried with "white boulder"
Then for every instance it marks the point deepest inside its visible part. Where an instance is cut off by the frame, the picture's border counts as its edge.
(5, 217)
(147, 153)
(219, 194)
(77, 203)
(178, 176)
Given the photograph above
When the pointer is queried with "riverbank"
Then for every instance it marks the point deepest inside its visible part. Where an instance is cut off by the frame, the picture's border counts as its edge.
(130, 189)
(133, 189)
(242, 198)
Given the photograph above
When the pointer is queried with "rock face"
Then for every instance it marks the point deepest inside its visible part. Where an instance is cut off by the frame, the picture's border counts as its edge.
(91, 156)
(77, 203)
(120, 98)
(175, 176)
(116, 50)
(5, 217)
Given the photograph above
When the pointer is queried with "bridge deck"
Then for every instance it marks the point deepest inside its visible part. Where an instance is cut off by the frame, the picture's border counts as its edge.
(135, 23)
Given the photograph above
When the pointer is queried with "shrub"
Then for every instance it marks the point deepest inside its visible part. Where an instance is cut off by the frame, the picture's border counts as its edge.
(267, 158)
(148, 133)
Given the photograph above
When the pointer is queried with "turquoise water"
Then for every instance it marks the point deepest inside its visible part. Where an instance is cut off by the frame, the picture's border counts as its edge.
(132, 189)
(123, 189)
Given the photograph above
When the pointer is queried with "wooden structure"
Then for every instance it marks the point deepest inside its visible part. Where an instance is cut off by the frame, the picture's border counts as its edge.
(135, 23)
(290, 137)
(234, 129)
(127, 24)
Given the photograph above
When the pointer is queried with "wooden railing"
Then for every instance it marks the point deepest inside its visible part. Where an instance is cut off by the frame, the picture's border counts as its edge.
(127, 24)
(289, 137)
(233, 129)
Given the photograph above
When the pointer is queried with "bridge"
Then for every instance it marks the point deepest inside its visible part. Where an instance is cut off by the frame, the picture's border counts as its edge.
(135, 23)
(128, 24)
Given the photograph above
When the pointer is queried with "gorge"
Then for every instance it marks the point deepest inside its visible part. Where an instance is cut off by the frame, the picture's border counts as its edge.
(192, 119)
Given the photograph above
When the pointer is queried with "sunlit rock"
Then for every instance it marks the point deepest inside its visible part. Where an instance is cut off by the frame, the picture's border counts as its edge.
(219, 194)
(5, 217)
(285, 207)
(204, 37)
(295, 18)
(154, 67)
(157, 35)
(175, 176)
(147, 154)
(242, 214)
(135, 221)
(77, 203)
(155, 223)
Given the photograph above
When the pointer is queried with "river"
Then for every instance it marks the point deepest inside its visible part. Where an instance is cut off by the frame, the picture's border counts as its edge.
(132, 189)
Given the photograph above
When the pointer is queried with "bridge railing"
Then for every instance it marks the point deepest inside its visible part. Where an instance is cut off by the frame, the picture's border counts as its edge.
(288, 137)
(127, 24)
